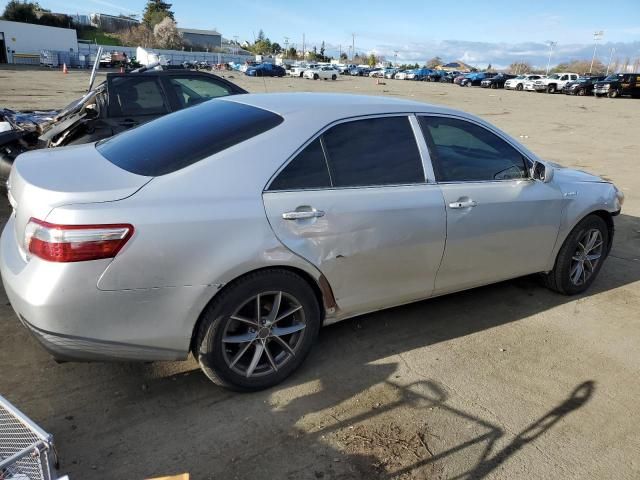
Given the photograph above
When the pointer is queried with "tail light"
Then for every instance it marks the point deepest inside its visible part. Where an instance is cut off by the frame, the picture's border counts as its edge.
(75, 243)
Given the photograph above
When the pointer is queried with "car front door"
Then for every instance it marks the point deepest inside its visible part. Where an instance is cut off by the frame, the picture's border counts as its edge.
(134, 100)
(355, 203)
(500, 223)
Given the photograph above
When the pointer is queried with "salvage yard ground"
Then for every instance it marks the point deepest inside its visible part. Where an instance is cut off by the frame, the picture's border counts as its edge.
(509, 381)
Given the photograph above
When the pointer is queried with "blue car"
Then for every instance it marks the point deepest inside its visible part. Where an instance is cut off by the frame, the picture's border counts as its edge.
(419, 74)
(265, 70)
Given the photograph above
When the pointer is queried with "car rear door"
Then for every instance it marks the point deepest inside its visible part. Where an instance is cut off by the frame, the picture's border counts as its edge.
(356, 204)
(134, 100)
(500, 223)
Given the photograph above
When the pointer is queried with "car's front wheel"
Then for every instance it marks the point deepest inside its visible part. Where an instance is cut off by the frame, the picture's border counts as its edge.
(580, 258)
(551, 89)
(519, 87)
(334, 77)
(258, 331)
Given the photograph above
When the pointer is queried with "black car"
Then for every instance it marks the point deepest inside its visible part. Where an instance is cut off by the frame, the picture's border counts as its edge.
(496, 82)
(447, 78)
(123, 101)
(618, 84)
(582, 86)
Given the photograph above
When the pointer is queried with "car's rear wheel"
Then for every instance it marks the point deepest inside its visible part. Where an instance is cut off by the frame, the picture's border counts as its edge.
(582, 92)
(580, 258)
(315, 76)
(258, 331)
(334, 77)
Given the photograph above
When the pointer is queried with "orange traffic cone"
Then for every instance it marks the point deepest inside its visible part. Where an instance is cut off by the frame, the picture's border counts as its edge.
(64, 68)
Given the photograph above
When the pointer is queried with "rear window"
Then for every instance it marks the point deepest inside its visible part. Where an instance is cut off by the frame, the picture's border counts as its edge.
(185, 137)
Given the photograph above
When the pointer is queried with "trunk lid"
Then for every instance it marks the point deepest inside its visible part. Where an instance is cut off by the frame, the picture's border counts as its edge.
(45, 179)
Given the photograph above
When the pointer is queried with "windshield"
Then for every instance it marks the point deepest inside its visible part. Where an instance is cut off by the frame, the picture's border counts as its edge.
(613, 78)
(555, 76)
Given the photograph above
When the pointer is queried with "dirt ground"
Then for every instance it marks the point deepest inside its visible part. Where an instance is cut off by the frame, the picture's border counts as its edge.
(509, 381)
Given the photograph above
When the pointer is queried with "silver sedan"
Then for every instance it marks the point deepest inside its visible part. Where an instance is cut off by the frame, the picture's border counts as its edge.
(236, 228)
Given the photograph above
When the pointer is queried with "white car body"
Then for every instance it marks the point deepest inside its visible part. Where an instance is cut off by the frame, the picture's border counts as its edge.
(521, 80)
(326, 72)
(298, 70)
(554, 83)
(403, 75)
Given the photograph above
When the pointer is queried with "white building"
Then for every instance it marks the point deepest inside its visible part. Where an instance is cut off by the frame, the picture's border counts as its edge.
(18, 38)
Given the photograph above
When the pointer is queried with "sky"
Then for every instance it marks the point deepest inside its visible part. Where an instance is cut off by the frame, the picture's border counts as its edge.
(475, 31)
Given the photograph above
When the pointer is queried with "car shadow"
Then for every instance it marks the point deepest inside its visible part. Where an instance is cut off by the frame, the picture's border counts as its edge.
(347, 413)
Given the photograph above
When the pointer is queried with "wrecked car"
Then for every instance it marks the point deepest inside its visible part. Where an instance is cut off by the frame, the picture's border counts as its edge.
(123, 101)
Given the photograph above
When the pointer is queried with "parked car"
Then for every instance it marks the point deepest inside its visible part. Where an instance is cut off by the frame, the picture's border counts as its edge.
(582, 86)
(474, 79)
(436, 76)
(518, 82)
(359, 72)
(619, 84)
(345, 69)
(123, 101)
(298, 70)
(325, 72)
(403, 74)
(390, 73)
(456, 79)
(496, 81)
(376, 73)
(554, 83)
(219, 230)
(419, 74)
(266, 70)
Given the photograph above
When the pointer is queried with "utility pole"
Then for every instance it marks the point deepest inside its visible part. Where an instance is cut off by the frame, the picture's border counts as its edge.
(286, 47)
(235, 45)
(610, 58)
(395, 58)
(353, 45)
(303, 46)
(596, 36)
(551, 45)
(340, 54)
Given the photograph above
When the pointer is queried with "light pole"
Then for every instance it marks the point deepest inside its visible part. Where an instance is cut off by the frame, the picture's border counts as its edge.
(353, 45)
(551, 45)
(596, 36)
(286, 47)
(395, 58)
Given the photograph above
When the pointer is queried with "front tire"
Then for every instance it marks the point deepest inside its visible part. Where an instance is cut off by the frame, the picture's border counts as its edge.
(334, 77)
(519, 87)
(315, 76)
(614, 94)
(581, 257)
(582, 92)
(551, 89)
(258, 331)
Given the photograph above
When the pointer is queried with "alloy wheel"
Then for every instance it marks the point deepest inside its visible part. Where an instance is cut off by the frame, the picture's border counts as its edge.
(587, 256)
(264, 334)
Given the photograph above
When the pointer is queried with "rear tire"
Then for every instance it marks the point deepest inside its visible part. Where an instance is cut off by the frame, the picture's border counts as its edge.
(315, 76)
(576, 258)
(334, 77)
(581, 92)
(241, 349)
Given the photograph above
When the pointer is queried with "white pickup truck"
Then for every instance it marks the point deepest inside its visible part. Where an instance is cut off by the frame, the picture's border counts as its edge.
(554, 83)
(298, 70)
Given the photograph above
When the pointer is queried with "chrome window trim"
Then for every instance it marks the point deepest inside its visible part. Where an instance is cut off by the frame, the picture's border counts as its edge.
(320, 132)
(528, 162)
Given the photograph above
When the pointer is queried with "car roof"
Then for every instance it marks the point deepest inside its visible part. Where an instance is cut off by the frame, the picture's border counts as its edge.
(334, 106)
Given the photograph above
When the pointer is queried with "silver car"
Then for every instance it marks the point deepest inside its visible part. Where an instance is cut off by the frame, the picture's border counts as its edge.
(236, 228)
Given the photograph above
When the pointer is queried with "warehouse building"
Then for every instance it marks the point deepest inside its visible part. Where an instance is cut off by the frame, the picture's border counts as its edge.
(18, 40)
(112, 23)
(202, 39)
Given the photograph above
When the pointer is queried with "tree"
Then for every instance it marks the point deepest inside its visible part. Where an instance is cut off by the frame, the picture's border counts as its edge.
(155, 12)
(166, 34)
(372, 60)
(261, 37)
(292, 53)
(322, 49)
(276, 48)
(139, 35)
(520, 68)
(16, 11)
(434, 62)
(343, 57)
(489, 67)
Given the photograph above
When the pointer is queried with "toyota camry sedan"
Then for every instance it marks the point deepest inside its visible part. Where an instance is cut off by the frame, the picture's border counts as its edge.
(236, 228)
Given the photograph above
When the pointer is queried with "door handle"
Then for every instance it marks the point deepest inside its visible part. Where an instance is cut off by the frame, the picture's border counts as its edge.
(463, 204)
(299, 215)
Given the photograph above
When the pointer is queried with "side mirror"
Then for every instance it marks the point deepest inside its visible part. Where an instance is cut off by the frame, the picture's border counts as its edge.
(541, 172)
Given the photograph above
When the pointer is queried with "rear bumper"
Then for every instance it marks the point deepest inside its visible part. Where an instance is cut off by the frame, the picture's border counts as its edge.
(62, 306)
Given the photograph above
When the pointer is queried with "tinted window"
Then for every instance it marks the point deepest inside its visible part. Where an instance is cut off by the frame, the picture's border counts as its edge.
(184, 137)
(191, 91)
(307, 170)
(463, 151)
(376, 151)
(135, 96)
